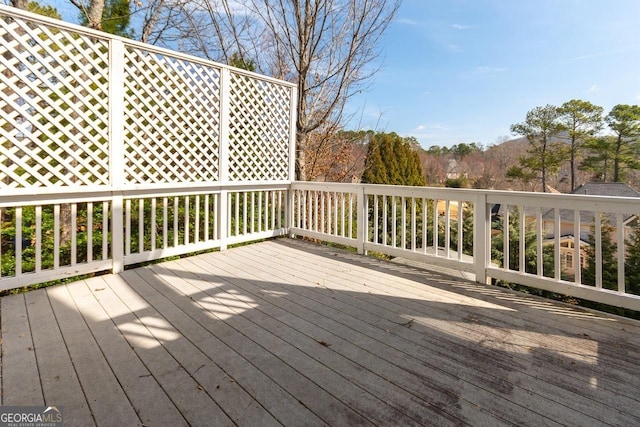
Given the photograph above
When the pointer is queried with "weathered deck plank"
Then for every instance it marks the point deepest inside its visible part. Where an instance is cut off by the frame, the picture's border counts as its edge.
(285, 332)
(149, 401)
(20, 375)
(496, 340)
(305, 391)
(57, 374)
(229, 368)
(435, 369)
(103, 392)
(288, 336)
(357, 363)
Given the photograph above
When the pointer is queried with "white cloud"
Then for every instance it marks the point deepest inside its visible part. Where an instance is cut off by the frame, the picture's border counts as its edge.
(461, 27)
(485, 70)
(431, 129)
(600, 54)
(406, 21)
(594, 88)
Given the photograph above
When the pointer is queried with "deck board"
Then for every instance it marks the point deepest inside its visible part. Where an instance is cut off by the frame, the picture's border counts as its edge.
(147, 397)
(286, 332)
(57, 374)
(466, 356)
(21, 384)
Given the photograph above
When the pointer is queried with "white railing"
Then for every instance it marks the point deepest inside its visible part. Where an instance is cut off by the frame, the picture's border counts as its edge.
(593, 230)
(530, 239)
(159, 224)
(113, 152)
(109, 230)
(459, 229)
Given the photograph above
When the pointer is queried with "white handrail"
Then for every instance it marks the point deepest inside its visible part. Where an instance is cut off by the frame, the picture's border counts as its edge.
(433, 225)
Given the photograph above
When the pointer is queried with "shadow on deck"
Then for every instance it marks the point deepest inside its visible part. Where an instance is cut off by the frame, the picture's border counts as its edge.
(287, 332)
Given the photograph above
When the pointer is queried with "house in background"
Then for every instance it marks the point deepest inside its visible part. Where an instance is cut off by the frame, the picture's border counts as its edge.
(587, 222)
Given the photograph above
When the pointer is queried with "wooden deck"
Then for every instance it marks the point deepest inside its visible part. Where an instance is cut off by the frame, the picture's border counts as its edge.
(286, 332)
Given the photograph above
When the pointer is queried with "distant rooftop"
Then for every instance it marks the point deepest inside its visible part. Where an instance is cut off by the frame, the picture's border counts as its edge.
(612, 189)
(616, 189)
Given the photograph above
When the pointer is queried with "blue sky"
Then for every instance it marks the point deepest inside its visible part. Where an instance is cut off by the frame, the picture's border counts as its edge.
(457, 71)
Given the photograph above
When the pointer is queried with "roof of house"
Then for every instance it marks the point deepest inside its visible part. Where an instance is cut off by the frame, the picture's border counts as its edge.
(613, 189)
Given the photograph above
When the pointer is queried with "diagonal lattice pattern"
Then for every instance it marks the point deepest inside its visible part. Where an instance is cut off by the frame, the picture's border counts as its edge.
(54, 104)
(172, 119)
(56, 111)
(259, 130)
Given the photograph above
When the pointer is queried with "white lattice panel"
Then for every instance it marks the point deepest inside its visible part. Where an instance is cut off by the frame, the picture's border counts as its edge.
(259, 130)
(172, 119)
(54, 104)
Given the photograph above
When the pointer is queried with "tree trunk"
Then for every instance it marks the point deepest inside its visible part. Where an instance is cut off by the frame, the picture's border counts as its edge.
(572, 162)
(301, 159)
(20, 4)
(616, 160)
(92, 12)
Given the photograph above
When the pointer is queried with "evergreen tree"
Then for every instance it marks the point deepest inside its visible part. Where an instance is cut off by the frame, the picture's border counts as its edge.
(609, 260)
(632, 261)
(601, 152)
(545, 156)
(44, 10)
(116, 17)
(497, 244)
(392, 160)
(582, 120)
(238, 61)
(467, 230)
(530, 247)
(624, 121)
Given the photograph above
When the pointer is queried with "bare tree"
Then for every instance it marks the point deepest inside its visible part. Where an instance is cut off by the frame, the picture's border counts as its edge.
(156, 21)
(327, 47)
(20, 4)
(212, 29)
(92, 10)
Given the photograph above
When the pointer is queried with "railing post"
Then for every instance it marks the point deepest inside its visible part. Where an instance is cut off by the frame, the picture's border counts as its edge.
(361, 220)
(223, 166)
(481, 238)
(290, 207)
(292, 134)
(116, 150)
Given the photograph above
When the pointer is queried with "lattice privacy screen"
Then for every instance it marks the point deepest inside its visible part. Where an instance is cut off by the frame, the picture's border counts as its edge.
(54, 103)
(172, 119)
(259, 130)
(56, 98)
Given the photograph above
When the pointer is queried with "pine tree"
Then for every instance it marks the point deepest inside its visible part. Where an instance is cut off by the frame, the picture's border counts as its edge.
(239, 61)
(116, 16)
(546, 156)
(393, 160)
(582, 120)
(609, 260)
(624, 121)
(530, 247)
(599, 158)
(632, 261)
(44, 10)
